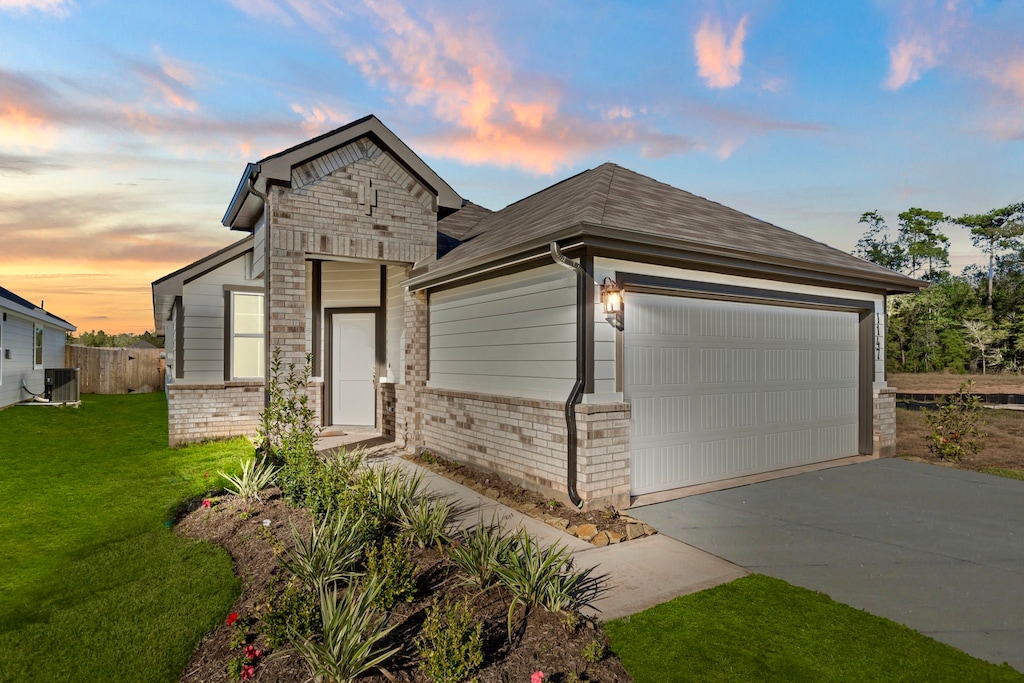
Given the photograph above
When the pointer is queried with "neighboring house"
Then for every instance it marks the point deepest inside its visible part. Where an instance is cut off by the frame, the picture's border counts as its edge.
(737, 347)
(31, 340)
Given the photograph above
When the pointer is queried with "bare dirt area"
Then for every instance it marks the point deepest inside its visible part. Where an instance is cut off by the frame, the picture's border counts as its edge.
(1003, 443)
(552, 643)
(947, 383)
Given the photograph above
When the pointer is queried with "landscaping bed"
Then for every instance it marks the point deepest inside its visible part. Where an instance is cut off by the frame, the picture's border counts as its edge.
(566, 647)
(600, 527)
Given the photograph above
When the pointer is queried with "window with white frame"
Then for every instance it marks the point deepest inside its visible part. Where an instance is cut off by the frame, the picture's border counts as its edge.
(37, 348)
(247, 350)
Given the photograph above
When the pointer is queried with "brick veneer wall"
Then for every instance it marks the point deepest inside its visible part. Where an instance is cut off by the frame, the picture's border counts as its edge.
(354, 202)
(386, 410)
(602, 455)
(884, 422)
(524, 440)
(212, 411)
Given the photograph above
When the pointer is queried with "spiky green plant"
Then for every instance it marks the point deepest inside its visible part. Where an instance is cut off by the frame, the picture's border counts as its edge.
(427, 522)
(352, 637)
(390, 492)
(480, 551)
(256, 475)
(539, 577)
(330, 553)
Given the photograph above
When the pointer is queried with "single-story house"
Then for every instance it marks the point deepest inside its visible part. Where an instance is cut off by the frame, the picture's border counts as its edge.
(607, 337)
(31, 341)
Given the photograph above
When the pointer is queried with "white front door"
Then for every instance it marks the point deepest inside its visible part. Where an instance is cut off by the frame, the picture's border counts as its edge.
(353, 369)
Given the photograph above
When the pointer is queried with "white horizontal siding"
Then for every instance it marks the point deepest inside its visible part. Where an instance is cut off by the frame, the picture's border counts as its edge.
(512, 336)
(203, 303)
(350, 284)
(17, 335)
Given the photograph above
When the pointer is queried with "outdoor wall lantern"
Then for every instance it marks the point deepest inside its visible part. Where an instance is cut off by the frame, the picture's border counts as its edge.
(611, 300)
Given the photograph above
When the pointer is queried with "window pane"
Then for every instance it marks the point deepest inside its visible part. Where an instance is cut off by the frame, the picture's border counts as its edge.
(247, 357)
(248, 313)
(39, 346)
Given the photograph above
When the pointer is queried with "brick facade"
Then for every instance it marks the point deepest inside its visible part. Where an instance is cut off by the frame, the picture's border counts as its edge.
(524, 440)
(212, 411)
(884, 422)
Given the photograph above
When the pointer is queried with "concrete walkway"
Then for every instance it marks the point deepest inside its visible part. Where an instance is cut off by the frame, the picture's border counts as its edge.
(637, 574)
(937, 549)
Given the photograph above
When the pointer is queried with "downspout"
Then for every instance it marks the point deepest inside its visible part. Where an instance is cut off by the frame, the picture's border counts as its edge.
(576, 394)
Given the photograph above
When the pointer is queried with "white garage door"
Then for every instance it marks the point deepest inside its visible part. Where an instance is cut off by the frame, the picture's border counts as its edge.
(721, 389)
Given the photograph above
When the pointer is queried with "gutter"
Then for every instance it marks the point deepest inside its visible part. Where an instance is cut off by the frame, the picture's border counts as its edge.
(581, 371)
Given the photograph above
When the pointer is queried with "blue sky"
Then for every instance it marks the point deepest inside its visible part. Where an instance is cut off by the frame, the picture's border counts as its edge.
(124, 127)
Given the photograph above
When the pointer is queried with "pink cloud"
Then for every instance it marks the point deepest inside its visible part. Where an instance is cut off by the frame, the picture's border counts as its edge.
(719, 58)
(925, 34)
(908, 59)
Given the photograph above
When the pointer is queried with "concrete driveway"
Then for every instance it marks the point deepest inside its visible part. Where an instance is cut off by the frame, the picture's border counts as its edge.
(937, 549)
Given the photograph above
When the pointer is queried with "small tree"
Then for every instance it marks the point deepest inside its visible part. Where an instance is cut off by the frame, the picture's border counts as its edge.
(955, 434)
(288, 424)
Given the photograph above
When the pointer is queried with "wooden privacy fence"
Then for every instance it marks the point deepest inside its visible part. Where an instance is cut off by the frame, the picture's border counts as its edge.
(116, 371)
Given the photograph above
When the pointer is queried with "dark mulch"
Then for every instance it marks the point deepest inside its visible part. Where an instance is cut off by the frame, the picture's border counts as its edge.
(544, 644)
(526, 501)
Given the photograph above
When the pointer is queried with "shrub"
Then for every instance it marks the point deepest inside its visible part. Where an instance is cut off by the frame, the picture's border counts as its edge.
(330, 553)
(294, 613)
(450, 645)
(390, 565)
(427, 522)
(389, 492)
(256, 475)
(955, 434)
(539, 577)
(288, 424)
(352, 630)
(594, 651)
(480, 551)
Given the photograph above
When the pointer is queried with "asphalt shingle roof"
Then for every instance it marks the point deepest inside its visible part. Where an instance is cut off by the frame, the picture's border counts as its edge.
(610, 196)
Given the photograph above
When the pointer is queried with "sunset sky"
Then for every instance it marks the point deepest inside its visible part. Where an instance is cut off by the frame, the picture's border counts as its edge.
(125, 126)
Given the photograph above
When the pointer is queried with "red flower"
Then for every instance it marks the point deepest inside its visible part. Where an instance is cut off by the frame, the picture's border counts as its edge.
(207, 503)
(252, 653)
(232, 618)
(248, 671)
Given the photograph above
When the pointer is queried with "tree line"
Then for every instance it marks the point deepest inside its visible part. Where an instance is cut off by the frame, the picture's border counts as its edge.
(971, 322)
(114, 341)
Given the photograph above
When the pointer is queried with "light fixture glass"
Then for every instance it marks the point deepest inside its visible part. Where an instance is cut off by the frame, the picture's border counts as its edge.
(611, 300)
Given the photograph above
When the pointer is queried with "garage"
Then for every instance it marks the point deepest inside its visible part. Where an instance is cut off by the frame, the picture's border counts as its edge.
(722, 388)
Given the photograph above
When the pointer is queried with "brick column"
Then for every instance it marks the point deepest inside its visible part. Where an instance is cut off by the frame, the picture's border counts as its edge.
(602, 454)
(884, 422)
(408, 395)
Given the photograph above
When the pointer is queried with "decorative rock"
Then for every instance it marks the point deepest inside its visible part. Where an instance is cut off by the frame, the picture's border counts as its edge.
(586, 532)
(649, 530)
(571, 530)
(557, 522)
(601, 539)
(634, 530)
(629, 520)
(493, 493)
(614, 537)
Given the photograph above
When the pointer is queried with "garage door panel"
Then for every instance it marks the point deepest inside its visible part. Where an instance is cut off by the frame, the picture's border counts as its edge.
(749, 388)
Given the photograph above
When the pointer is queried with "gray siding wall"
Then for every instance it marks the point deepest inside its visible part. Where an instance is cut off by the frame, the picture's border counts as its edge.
(259, 250)
(17, 336)
(510, 336)
(203, 300)
(344, 284)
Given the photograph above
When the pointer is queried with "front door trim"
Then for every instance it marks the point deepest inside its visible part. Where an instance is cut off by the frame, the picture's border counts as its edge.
(379, 343)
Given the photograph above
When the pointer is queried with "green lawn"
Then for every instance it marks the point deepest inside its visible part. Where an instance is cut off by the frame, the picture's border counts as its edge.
(762, 629)
(93, 583)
